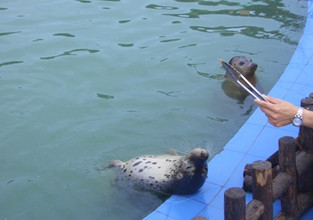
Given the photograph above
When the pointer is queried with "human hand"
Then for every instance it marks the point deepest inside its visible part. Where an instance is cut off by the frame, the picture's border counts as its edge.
(278, 112)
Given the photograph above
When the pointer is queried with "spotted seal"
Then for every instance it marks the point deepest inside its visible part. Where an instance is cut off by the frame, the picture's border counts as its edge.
(169, 174)
(247, 67)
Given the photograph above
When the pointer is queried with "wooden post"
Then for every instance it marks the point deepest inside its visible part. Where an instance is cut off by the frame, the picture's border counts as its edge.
(254, 210)
(287, 163)
(262, 187)
(305, 140)
(304, 168)
(305, 133)
(234, 204)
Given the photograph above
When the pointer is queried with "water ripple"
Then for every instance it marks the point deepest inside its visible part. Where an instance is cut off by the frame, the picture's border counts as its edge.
(104, 96)
(161, 7)
(70, 53)
(64, 35)
(10, 63)
(126, 44)
(250, 31)
(8, 33)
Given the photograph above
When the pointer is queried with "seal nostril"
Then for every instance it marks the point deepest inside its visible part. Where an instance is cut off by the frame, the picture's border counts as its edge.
(203, 155)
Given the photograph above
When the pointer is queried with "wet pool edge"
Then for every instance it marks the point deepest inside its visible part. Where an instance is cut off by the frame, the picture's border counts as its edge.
(255, 140)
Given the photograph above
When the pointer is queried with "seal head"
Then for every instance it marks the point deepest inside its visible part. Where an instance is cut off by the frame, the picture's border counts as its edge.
(191, 175)
(245, 66)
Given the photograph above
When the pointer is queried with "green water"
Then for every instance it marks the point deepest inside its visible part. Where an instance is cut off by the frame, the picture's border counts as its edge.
(84, 82)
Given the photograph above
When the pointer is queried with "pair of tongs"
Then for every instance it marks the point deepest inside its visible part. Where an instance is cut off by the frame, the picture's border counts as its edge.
(251, 90)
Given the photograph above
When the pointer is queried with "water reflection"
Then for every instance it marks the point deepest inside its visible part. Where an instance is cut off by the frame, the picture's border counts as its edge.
(266, 9)
(126, 44)
(64, 34)
(161, 7)
(250, 31)
(123, 21)
(9, 33)
(10, 63)
(84, 1)
(70, 53)
(104, 96)
(170, 93)
(205, 74)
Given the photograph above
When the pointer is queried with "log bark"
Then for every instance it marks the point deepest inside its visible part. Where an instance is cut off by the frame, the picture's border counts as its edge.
(234, 204)
(304, 163)
(287, 163)
(262, 187)
(305, 133)
(280, 184)
(254, 210)
(305, 201)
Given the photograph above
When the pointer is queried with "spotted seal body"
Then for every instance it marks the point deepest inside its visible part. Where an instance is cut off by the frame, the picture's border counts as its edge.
(170, 174)
(247, 67)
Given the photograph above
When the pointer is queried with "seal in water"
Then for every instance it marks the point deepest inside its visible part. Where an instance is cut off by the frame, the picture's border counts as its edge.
(170, 174)
(247, 67)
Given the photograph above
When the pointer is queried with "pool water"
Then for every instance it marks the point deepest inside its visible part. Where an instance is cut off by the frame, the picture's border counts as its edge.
(84, 82)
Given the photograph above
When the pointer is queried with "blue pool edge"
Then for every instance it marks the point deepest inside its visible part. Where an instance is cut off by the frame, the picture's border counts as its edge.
(260, 141)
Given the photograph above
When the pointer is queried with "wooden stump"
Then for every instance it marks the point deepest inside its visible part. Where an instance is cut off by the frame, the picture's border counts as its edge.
(287, 163)
(262, 187)
(234, 204)
(305, 133)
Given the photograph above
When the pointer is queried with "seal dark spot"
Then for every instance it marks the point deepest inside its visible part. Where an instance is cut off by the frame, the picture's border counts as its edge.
(137, 163)
(154, 163)
(151, 177)
(159, 167)
(140, 170)
(124, 170)
(148, 162)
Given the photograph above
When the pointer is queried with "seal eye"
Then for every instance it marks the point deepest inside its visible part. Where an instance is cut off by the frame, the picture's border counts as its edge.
(241, 63)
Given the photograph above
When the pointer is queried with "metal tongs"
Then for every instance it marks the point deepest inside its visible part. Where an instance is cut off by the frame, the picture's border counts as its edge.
(251, 90)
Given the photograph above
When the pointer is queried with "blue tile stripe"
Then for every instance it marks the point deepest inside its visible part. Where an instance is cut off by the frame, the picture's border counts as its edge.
(260, 141)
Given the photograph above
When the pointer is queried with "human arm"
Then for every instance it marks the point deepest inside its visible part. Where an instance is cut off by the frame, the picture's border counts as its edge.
(280, 112)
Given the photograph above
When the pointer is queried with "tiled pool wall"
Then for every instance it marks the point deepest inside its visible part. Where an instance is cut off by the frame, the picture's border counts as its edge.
(255, 140)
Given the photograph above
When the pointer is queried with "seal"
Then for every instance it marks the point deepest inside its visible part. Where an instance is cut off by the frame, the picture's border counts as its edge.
(247, 67)
(169, 174)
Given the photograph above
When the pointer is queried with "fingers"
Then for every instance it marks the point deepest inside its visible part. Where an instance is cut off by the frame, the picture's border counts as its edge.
(272, 99)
